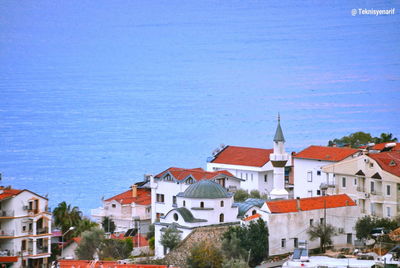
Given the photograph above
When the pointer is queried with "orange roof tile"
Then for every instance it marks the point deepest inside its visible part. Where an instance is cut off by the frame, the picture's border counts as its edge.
(197, 173)
(252, 217)
(98, 264)
(388, 161)
(326, 153)
(310, 203)
(8, 193)
(381, 146)
(137, 239)
(243, 156)
(143, 197)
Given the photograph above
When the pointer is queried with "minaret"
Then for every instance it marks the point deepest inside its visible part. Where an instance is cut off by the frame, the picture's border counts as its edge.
(278, 159)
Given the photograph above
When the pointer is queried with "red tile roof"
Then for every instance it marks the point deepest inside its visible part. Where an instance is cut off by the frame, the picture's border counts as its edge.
(8, 193)
(252, 217)
(4, 259)
(105, 264)
(310, 203)
(143, 197)
(381, 146)
(388, 161)
(243, 156)
(325, 153)
(197, 173)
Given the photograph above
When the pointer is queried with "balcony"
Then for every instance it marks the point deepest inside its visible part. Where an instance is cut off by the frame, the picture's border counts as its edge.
(375, 192)
(44, 230)
(6, 253)
(6, 213)
(6, 233)
(360, 189)
(41, 250)
(326, 185)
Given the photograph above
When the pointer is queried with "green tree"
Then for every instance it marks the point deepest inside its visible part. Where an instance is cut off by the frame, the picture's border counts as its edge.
(240, 195)
(354, 140)
(90, 244)
(385, 137)
(150, 233)
(171, 238)
(255, 194)
(108, 225)
(116, 249)
(322, 232)
(205, 255)
(84, 225)
(253, 241)
(232, 248)
(234, 263)
(66, 216)
(365, 225)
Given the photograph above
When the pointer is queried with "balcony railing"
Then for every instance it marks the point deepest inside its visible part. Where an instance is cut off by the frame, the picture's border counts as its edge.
(360, 189)
(6, 233)
(44, 230)
(375, 192)
(42, 250)
(7, 252)
(6, 213)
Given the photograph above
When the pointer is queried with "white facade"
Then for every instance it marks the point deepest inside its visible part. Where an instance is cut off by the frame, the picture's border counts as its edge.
(287, 229)
(164, 189)
(375, 190)
(125, 208)
(25, 228)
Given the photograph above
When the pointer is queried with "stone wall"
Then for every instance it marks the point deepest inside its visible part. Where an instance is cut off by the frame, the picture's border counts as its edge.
(179, 255)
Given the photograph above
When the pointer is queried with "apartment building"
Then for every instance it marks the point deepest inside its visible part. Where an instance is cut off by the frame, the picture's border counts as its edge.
(309, 178)
(372, 179)
(25, 228)
(130, 209)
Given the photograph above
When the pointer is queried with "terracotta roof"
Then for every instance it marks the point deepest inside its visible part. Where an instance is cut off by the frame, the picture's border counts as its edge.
(252, 217)
(243, 156)
(77, 240)
(381, 146)
(197, 173)
(310, 203)
(8, 193)
(98, 264)
(325, 153)
(137, 239)
(143, 197)
(388, 161)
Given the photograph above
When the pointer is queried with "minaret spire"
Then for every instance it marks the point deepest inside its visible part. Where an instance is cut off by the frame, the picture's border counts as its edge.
(279, 159)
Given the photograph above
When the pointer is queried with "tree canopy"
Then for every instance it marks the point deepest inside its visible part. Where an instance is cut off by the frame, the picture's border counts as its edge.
(322, 232)
(171, 238)
(359, 138)
(365, 225)
(66, 216)
(108, 225)
(205, 255)
(91, 242)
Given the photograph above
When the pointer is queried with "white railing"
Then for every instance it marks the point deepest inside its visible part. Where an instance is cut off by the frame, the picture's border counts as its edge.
(6, 233)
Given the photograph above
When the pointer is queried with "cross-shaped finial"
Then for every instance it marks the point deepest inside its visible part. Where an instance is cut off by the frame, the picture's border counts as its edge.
(279, 117)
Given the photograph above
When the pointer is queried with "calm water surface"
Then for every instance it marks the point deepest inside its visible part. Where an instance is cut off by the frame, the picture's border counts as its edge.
(94, 94)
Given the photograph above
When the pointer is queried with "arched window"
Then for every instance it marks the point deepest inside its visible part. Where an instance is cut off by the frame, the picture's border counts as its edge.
(190, 180)
(176, 217)
(221, 217)
(253, 212)
(184, 203)
(222, 203)
(202, 204)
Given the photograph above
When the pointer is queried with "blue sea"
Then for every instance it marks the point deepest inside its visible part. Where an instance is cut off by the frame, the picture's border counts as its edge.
(95, 94)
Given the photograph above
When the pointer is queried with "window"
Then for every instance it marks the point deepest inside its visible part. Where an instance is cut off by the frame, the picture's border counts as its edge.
(309, 193)
(311, 222)
(355, 182)
(202, 204)
(283, 243)
(254, 212)
(388, 212)
(251, 175)
(372, 187)
(23, 245)
(321, 220)
(222, 203)
(343, 182)
(318, 172)
(221, 217)
(296, 242)
(265, 178)
(309, 176)
(30, 227)
(113, 205)
(246, 176)
(176, 217)
(160, 198)
(168, 177)
(387, 189)
(190, 181)
(318, 192)
(24, 228)
(184, 203)
(174, 200)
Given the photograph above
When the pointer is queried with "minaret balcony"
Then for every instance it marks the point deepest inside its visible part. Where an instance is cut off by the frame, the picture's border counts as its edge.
(278, 160)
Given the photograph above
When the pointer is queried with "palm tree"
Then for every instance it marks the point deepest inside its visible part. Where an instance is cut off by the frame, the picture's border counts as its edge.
(84, 225)
(385, 137)
(324, 233)
(66, 217)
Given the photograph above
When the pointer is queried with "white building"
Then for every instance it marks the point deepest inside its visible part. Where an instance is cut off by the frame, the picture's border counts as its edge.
(372, 179)
(309, 178)
(289, 220)
(201, 204)
(25, 228)
(126, 208)
(253, 165)
(166, 186)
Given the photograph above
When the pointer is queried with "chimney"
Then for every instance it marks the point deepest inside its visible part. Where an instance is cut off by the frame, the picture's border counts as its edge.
(134, 190)
(298, 204)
